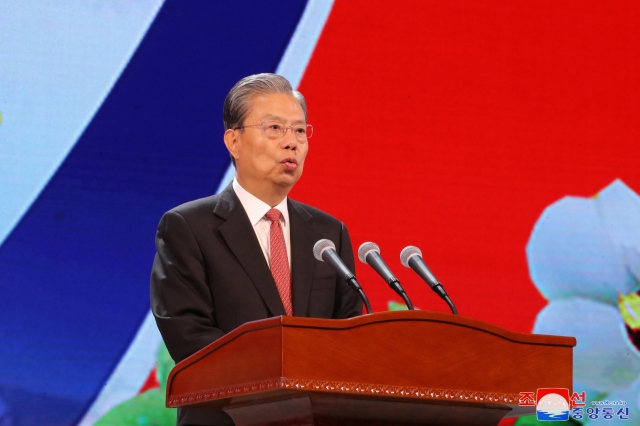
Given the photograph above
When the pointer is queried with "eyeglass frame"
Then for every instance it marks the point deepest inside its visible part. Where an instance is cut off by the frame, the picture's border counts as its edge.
(264, 129)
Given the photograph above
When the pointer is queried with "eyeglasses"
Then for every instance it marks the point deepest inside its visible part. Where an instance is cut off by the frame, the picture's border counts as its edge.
(275, 130)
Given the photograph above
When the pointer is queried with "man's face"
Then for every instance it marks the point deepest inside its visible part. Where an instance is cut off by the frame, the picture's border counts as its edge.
(260, 161)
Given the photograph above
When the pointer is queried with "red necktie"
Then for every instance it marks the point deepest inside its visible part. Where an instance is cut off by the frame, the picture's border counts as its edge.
(279, 260)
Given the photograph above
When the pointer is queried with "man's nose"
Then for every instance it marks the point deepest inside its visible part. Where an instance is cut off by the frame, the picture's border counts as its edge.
(289, 140)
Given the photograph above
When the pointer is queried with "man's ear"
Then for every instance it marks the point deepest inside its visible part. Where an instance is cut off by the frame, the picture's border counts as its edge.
(231, 142)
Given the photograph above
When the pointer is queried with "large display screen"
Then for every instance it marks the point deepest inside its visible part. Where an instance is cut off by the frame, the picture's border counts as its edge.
(501, 138)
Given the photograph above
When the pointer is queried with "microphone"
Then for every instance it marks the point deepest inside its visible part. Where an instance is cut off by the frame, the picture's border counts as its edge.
(369, 253)
(411, 257)
(325, 251)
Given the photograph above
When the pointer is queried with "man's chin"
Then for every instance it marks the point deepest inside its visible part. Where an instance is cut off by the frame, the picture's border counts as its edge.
(288, 180)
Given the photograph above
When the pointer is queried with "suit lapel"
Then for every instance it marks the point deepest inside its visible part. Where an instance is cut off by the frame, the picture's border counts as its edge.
(241, 239)
(303, 237)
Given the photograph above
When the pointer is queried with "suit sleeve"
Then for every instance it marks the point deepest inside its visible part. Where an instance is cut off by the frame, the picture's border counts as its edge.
(181, 301)
(347, 302)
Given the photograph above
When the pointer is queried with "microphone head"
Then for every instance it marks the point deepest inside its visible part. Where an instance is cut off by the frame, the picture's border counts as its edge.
(365, 249)
(320, 246)
(407, 253)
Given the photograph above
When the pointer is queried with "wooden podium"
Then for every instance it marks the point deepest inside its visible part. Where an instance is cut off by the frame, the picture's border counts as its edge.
(403, 367)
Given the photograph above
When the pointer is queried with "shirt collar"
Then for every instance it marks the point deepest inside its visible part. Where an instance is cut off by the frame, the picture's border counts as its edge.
(256, 208)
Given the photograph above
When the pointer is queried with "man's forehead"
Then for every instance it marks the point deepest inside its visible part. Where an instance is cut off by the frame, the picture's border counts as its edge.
(276, 106)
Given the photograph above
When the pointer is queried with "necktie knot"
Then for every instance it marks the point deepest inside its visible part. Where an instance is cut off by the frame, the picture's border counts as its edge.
(273, 215)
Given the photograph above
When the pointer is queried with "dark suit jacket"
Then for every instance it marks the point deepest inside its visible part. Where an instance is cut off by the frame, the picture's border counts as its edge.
(210, 276)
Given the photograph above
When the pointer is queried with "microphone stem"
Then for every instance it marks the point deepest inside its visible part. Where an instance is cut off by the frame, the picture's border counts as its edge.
(451, 305)
(354, 284)
(407, 301)
(367, 305)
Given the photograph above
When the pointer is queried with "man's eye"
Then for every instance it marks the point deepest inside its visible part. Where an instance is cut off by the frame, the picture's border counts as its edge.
(275, 126)
(300, 130)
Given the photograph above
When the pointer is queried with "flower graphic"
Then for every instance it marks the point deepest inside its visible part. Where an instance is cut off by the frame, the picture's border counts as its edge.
(584, 257)
(147, 408)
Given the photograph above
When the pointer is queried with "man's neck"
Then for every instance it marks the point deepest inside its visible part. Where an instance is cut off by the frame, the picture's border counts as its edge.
(267, 193)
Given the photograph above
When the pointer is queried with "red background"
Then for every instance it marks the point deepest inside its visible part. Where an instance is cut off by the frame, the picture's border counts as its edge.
(452, 125)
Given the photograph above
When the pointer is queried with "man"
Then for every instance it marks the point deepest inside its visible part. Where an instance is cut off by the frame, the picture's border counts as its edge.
(247, 253)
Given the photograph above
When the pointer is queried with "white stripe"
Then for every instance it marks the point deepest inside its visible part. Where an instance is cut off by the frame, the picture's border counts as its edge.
(139, 359)
(303, 43)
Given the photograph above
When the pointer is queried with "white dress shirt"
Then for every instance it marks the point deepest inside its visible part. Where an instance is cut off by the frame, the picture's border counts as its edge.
(256, 209)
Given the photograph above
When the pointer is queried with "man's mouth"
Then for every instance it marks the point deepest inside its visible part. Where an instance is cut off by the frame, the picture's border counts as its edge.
(290, 163)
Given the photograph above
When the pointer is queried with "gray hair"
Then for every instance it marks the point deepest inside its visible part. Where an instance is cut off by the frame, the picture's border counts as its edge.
(238, 101)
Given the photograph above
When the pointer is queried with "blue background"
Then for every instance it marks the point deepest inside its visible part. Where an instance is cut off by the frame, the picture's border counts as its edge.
(75, 271)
